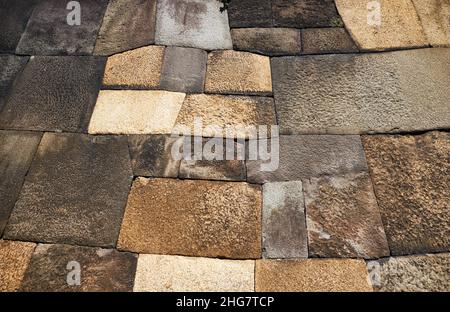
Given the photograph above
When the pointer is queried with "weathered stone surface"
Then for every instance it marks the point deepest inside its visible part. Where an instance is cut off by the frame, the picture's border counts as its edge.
(126, 25)
(250, 13)
(435, 18)
(304, 13)
(398, 27)
(235, 72)
(410, 176)
(151, 156)
(136, 69)
(412, 273)
(135, 112)
(48, 31)
(327, 40)
(184, 70)
(14, 16)
(14, 259)
(284, 227)
(306, 156)
(212, 162)
(75, 191)
(175, 273)
(343, 218)
(268, 41)
(192, 23)
(215, 112)
(193, 218)
(10, 67)
(54, 94)
(16, 153)
(363, 93)
(101, 269)
(311, 275)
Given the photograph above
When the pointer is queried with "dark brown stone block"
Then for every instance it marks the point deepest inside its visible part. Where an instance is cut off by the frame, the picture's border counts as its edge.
(250, 13)
(10, 67)
(327, 40)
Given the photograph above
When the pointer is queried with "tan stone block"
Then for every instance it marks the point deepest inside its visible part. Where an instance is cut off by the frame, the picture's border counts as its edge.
(175, 273)
(233, 72)
(135, 112)
(435, 18)
(193, 218)
(136, 69)
(14, 259)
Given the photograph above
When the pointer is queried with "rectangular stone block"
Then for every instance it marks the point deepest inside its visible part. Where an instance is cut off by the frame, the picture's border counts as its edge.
(75, 191)
(250, 13)
(186, 274)
(193, 218)
(363, 93)
(327, 40)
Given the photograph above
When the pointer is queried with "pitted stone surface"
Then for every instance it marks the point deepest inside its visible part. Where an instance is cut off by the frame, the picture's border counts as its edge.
(184, 70)
(410, 175)
(343, 218)
(193, 218)
(126, 25)
(48, 31)
(311, 275)
(135, 69)
(267, 41)
(435, 18)
(220, 111)
(16, 153)
(398, 25)
(327, 40)
(412, 273)
(233, 72)
(14, 16)
(14, 259)
(135, 112)
(101, 269)
(304, 13)
(75, 191)
(54, 94)
(363, 93)
(250, 13)
(192, 23)
(151, 156)
(306, 156)
(10, 68)
(284, 227)
(175, 273)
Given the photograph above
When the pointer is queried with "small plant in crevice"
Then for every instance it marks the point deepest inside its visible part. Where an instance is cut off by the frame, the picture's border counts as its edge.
(225, 4)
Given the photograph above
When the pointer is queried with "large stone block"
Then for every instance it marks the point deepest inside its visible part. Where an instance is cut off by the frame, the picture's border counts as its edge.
(327, 40)
(435, 18)
(250, 13)
(10, 68)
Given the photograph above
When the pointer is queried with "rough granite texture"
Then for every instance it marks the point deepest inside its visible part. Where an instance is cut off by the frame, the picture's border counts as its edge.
(327, 40)
(343, 218)
(233, 72)
(175, 273)
(302, 157)
(192, 23)
(14, 16)
(284, 227)
(398, 27)
(14, 259)
(10, 68)
(127, 24)
(135, 112)
(435, 18)
(411, 182)
(17, 150)
(411, 274)
(100, 269)
(151, 156)
(267, 41)
(54, 94)
(75, 191)
(363, 93)
(250, 13)
(48, 32)
(184, 70)
(311, 275)
(135, 69)
(213, 113)
(193, 218)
